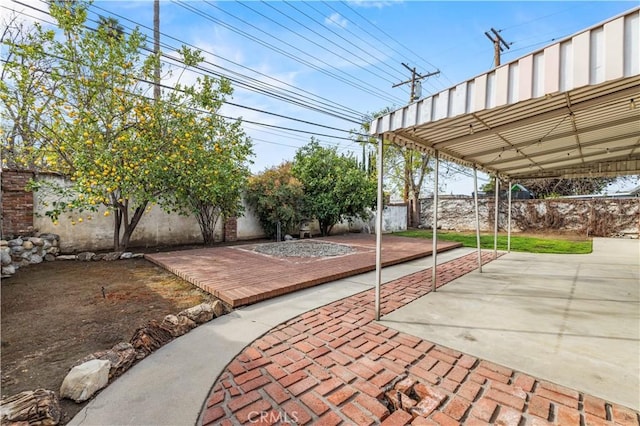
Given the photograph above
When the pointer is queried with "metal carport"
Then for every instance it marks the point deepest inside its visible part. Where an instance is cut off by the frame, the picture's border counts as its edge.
(567, 110)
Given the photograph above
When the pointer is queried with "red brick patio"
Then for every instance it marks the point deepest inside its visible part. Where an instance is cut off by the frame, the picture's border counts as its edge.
(331, 365)
(240, 276)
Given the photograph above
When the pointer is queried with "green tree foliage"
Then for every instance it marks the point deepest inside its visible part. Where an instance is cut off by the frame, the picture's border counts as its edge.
(549, 188)
(22, 78)
(276, 196)
(92, 118)
(405, 170)
(335, 187)
(206, 167)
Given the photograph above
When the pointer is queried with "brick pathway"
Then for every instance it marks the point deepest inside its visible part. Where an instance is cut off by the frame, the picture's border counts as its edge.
(259, 277)
(332, 365)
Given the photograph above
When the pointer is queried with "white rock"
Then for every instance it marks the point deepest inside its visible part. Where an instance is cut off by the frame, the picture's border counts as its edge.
(36, 241)
(126, 255)
(199, 314)
(66, 257)
(8, 270)
(85, 380)
(27, 245)
(5, 257)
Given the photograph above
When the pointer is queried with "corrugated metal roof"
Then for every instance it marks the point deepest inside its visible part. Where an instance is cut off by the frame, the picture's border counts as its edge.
(569, 109)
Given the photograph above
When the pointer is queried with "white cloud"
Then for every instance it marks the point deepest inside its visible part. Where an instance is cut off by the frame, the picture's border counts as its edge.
(374, 3)
(337, 20)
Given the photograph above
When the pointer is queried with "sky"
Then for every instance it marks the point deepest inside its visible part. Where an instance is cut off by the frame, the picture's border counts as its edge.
(321, 67)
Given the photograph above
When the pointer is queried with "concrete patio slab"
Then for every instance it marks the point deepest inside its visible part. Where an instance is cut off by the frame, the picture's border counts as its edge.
(169, 386)
(571, 319)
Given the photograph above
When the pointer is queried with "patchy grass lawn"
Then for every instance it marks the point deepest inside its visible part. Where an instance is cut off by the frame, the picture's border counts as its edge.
(525, 243)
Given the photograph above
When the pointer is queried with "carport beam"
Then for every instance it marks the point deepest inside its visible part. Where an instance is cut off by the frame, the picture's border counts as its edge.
(509, 222)
(379, 210)
(434, 272)
(475, 200)
(495, 225)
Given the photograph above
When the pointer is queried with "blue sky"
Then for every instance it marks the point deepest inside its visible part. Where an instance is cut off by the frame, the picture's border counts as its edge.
(360, 42)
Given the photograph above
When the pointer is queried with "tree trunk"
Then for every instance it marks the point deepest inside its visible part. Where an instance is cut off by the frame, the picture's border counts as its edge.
(415, 209)
(207, 219)
(122, 220)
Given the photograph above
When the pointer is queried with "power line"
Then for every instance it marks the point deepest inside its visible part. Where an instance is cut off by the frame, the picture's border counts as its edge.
(325, 101)
(330, 41)
(270, 46)
(414, 54)
(238, 105)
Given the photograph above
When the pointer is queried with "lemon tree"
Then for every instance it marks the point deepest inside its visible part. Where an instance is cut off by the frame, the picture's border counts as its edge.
(207, 164)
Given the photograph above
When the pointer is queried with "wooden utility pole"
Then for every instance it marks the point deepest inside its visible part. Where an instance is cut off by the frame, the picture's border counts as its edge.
(416, 90)
(498, 43)
(415, 81)
(156, 49)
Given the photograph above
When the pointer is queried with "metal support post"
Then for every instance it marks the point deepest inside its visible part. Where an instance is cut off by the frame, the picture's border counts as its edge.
(475, 199)
(379, 210)
(509, 221)
(434, 272)
(495, 225)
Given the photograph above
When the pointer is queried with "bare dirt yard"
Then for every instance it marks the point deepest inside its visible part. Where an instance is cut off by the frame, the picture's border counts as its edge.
(54, 314)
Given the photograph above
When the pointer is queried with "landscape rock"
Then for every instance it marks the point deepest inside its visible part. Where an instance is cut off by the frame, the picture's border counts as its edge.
(36, 241)
(137, 256)
(5, 257)
(114, 255)
(288, 237)
(27, 245)
(98, 257)
(15, 242)
(199, 314)
(8, 270)
(67, 257)
(46, 245)
(126, 255)
(35, 258)
(85, 379)
(4, 243)
(218, 308)
(121, 356)
(49, 257)
(16, 249)
(178, 325)
(85, 256)
(150, 337)
(53, 250)
(38, 407)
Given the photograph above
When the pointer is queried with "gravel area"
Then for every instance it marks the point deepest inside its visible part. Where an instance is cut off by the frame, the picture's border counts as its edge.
(303, 249)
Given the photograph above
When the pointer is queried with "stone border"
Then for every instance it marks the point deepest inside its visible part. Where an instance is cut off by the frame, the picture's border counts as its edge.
(23, 251)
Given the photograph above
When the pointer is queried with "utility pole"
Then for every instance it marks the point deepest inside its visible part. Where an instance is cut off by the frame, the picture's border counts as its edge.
(498, 42)
(415, 82)
(156, 49)
(416, 92)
